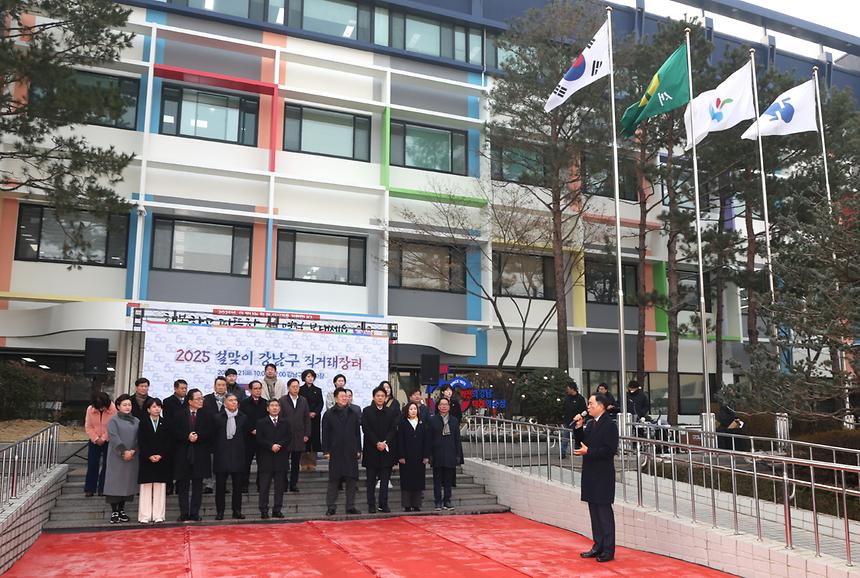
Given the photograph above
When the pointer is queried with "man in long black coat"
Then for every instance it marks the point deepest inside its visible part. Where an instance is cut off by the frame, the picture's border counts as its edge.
(599, 444)
(294, 408)
(341, 442)
(229, 456)
(314, 395)
(193, 459)
(255, 407)
(379, 424)
(273, 458)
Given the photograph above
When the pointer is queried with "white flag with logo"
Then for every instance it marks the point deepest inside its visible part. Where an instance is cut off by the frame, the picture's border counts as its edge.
(591, 65)
(793, 111)
(721, 108)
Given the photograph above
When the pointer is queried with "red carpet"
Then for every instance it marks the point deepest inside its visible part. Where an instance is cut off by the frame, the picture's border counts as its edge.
(439, 546)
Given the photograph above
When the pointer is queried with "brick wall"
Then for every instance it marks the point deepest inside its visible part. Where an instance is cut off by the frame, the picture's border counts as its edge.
(22, 520)
(558, 504)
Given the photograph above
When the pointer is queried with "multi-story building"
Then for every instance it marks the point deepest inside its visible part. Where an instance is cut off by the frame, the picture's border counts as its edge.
(275, 152)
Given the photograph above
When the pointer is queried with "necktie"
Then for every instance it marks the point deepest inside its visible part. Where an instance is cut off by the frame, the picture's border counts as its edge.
(275, 421)
(155, 425)
(193, 419)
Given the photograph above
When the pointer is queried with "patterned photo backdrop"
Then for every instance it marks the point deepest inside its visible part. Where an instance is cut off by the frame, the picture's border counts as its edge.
(200, 352)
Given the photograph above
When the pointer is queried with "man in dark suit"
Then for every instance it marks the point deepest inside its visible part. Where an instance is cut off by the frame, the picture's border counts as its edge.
(193, 459)
(599, 444)
(174, 406)
(255, 408)
(214, 402)
(294, 409)
(341, 442)
(232, 376)
(229, 442)
(139, 399)
(273, 458)
(379, 424)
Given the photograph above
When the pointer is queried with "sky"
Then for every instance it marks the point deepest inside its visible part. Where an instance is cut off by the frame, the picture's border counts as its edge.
(841, 15)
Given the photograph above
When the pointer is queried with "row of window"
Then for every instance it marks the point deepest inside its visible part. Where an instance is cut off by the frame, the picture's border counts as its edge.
(365, 23)
(186, 245)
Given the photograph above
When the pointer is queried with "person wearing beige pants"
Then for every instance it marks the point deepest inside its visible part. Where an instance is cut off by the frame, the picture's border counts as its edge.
(156, 449)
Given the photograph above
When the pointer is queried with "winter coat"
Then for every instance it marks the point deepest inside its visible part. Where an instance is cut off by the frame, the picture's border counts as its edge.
(446, 450)
(598, 465)
(299, 419)
(121, 475)
(379, 425)
(229, 455)
(341, 439)
(413, 445)
(155, 442)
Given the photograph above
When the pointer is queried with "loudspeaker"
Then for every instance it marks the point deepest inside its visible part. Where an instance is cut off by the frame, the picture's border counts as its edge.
(429, 374)
(96, 356)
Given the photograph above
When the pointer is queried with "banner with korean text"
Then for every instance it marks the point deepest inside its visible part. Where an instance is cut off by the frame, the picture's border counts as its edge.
(199, 346)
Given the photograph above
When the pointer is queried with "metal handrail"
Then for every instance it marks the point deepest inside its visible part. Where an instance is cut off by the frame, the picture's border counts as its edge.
(525, 446)
(25, 462)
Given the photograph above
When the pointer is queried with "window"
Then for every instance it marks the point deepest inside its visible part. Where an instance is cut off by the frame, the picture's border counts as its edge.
(600, 282)
(127, 89)
(431, 37)
(523, 276)
(41, 237)
(428, 148)
(325, 132)
(430, 267)
(517, 165)
(320, 257)
(204, 247)
(230, 7)
(594, 377)
(332, 17)
(596, 177)
(688, 290)
(209, 115)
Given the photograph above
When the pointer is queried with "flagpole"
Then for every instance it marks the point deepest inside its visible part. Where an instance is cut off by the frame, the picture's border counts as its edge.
(622, 359)
(840, 359)
(707, 423)
(764, 204)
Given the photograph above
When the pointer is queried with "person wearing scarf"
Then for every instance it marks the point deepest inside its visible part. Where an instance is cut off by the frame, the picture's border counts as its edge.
(229, 456)
(446, 452)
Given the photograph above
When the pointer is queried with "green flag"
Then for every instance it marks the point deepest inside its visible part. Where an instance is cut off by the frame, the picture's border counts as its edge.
(668, 90)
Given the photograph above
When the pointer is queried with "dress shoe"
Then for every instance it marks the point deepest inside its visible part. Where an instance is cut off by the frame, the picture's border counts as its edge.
(330, 512)
(264, 515)
(277, 514)
(604, 558)
(590, 554)
(294, 490)
(159, 521)
(408, 509)
(238, 516)
(182, 518)
(195, 518)
(353, 511)
(385, 509)
(88, 494)
(219, 516)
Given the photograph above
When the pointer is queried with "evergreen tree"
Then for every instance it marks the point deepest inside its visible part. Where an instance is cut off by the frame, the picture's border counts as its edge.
(42, 44)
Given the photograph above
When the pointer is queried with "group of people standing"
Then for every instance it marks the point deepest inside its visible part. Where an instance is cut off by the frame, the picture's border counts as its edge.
(184, 443)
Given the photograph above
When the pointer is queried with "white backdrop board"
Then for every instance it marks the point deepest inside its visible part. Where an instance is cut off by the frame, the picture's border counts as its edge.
(199, 346)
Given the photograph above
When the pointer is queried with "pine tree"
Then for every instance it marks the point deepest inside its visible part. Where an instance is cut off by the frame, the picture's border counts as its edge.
(42, 44)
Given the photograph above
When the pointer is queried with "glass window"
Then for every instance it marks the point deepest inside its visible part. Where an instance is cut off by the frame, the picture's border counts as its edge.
(460, 43)
(126, 88)
(597, 177)
(688, 290)
(43, 237)
(380, 26)
(210, 115)
(398, 31)
(600, 282)
(476, 46)
(423, 36)
(318, 257)
(333, 17)
(515, 164)
(231, 7)
(312, 130)
(432, 267)
(428, 148)
(523, 275)
(204, 247)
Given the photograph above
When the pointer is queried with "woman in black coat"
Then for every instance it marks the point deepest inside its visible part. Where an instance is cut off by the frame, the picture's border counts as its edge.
(229, 459)
(413, 454)
(155, 451)
(446, 452)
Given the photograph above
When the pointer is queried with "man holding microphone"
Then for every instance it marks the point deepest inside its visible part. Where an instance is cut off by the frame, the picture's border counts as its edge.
(598, 445)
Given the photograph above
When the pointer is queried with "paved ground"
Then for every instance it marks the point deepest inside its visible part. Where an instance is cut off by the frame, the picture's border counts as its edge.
(445, 546)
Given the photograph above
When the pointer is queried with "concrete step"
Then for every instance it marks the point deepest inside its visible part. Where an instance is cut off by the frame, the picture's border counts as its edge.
(103, 524)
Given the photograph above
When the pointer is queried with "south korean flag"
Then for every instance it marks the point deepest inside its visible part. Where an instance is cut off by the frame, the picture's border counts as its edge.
(591, 65)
